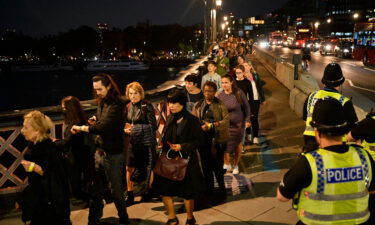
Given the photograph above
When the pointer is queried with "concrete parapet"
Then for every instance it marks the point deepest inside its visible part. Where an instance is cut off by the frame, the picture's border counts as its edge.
(285, 74)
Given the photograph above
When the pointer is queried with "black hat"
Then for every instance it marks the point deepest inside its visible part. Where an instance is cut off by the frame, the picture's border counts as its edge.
(333, 75)
(328, 117)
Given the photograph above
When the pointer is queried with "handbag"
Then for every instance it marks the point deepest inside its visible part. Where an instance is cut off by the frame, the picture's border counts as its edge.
(171, 168)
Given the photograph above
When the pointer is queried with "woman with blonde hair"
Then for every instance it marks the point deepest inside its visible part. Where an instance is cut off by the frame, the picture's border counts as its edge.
(46, 198)
(140, 125)
(256, 98)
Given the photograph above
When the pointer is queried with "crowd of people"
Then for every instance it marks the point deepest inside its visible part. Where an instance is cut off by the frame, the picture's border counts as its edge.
(101, 158)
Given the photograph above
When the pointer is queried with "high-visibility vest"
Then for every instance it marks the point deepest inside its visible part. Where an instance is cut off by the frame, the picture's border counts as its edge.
(370, 147)
(313, 98)
(338, 193)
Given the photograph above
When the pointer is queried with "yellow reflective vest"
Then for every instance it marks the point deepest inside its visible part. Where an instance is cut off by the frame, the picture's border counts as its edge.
(370, 147)
(313, 98)
(338, 193)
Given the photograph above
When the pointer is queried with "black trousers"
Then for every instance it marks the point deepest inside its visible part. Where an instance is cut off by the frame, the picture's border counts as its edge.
(254, 118)
(114, 166)
(212, 159)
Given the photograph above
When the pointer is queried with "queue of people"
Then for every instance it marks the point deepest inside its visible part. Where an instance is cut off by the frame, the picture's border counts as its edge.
(116, 147)
(331, 183)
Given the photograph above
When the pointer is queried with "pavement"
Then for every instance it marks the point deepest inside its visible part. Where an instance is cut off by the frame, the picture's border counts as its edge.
(252, 193)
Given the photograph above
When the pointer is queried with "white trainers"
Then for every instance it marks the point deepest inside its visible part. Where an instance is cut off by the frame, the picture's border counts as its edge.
(236, 170)
(248, 137)
(227, 167)
(256, 140)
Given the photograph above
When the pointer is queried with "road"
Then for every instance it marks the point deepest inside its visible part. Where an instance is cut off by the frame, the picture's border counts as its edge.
(360, 80)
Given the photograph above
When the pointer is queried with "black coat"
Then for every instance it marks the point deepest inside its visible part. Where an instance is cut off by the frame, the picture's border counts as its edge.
(46, 196)
(190, 139)
(109, 126)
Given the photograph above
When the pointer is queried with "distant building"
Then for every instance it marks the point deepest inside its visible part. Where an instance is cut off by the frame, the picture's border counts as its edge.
(340, 16)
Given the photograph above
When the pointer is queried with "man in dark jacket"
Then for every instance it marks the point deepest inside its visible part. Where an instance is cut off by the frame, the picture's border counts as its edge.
(108, 125)
(214, 118)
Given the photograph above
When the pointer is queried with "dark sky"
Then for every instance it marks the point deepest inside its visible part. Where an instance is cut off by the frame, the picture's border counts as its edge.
(41, 17)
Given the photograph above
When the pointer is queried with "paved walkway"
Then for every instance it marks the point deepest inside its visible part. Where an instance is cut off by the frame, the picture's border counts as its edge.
(253, 192)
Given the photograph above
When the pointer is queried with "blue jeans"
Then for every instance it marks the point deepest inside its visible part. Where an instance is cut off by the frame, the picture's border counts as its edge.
(114, 166)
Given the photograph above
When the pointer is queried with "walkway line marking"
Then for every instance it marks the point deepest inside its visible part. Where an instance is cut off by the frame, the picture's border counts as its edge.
(365, 89)
(366, 68)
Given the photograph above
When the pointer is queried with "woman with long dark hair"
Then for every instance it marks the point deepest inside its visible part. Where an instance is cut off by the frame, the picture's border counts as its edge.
(182, 135)
(76, 147)
(239, 118)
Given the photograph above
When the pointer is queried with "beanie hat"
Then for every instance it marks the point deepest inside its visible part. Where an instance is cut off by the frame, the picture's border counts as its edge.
(333, 75)
(328, 117)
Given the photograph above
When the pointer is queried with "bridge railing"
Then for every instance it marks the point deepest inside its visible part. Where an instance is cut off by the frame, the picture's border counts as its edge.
(13, 145)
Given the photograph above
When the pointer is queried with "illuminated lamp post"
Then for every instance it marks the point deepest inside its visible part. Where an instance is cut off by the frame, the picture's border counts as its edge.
(316, 26)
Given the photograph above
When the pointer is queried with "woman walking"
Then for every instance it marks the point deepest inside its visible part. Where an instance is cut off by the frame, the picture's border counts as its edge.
(182, 134)
(239, 118)
(256, 98)
(45, 200)
(140, 125)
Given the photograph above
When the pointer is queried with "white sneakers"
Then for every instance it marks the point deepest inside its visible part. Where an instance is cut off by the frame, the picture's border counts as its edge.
(256, 140)
(229, 167)
(235, 170)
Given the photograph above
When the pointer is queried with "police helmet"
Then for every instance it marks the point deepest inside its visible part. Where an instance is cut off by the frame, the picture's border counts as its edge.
(328, 117)
(333, 76)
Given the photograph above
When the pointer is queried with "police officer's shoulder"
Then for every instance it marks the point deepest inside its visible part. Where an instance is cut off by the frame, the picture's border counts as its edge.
(355, 145)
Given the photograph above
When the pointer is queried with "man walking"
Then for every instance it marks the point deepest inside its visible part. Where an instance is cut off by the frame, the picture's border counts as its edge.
(108, 124)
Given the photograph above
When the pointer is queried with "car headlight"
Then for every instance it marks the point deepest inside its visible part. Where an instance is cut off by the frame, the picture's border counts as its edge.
(346, 50)
(317, 45)
(263, 44)
(328, 47)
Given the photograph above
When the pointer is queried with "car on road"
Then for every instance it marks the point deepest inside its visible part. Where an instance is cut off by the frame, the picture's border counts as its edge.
(328, 47)
(344, 49)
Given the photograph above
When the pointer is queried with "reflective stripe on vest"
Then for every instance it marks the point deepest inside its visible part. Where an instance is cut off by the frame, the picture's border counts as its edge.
(313, 98)
(335, 197)
(339, 217)
(338, 190)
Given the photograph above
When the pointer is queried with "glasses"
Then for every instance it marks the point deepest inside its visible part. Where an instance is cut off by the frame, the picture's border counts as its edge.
(239, 72)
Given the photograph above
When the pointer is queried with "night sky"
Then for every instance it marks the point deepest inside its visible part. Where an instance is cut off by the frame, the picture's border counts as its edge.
(42, 17)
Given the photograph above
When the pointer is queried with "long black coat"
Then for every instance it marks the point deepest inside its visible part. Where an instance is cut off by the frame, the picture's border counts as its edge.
(46, 197)
(190, 139)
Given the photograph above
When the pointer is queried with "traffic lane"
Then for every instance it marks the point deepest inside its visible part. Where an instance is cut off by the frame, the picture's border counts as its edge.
(354, 70)
(362, 78)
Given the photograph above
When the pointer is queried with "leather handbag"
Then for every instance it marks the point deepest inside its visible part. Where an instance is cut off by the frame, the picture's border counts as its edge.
(171, 168)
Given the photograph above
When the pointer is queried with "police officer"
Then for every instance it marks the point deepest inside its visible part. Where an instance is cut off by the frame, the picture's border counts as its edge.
(330, 185)
(364, 131)
(332, 80)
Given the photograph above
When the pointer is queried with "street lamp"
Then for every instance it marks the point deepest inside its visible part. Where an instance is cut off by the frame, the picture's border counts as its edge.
(225, 18)
(316, 24)
(223, 26)
(219, 3)
(355, 15)
(329, 20)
